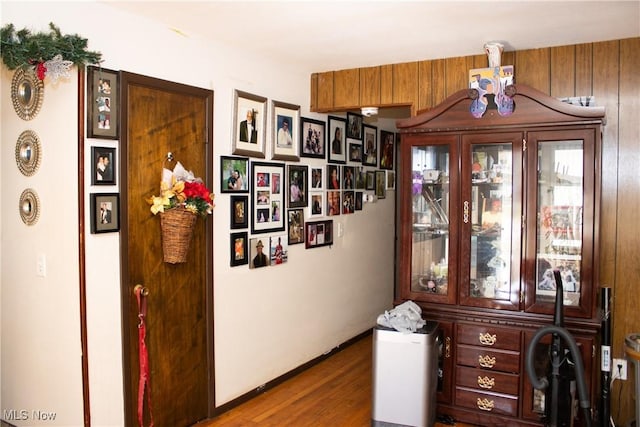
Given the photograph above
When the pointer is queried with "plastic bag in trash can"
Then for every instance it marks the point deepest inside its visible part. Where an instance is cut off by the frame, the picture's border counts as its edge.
(406, 317)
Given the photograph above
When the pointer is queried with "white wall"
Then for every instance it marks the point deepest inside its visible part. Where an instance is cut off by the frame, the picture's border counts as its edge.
(267, 321)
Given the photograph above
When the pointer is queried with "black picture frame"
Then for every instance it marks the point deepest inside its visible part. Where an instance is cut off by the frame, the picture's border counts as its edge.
(297, 186)
(387, 150)
(295, 219)
(313, 138)
(102, 102)
(371, 180)
(333, 177)
(105, 212)
(239, 245)
(381, 184)
(103, 166)
(370, 146)
(239, 213)
(318, 233)
(354, 126)
(348, 178)
(337, 152)
(268, 197)
(355, 152)
(231, 166)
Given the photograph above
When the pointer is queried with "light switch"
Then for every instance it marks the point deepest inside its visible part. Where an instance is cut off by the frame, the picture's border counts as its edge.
(41, 266)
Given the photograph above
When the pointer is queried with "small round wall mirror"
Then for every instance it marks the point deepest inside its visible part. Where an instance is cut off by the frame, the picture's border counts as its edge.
(27, 93)
(28, 152)
(29, 206)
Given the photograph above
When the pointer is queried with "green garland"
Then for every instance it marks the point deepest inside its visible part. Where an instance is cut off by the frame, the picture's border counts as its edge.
(23, 49)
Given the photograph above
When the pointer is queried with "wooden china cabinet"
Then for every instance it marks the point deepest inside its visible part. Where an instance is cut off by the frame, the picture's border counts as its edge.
(489, 207)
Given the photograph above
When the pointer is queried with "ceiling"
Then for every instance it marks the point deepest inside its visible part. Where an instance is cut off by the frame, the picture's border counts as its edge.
(325, 35)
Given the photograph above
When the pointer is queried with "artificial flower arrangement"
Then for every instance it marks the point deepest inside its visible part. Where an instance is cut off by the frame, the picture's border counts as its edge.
(180, 188)
(183, 198)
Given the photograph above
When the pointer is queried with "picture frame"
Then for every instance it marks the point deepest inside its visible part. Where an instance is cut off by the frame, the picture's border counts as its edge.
(239, 245)
(295, 218)
(370, 146)
(387, 150)
(348, 202)
(333, 203)
(348, 178)
(361, 178)
(298, 186)
(239, 212)
(333, 177)
(391, 180)
(234, 174)
(103, 103)
(354, 126)
(105, 212)
(103, 166)
(317, 203)
(267, 197)
(381, 184)
(247, 108)
(286, 136)
(337, 140)
(359, 200)
(278, 250)
(317, 183)
(313, 138)
(355, 152)
(371, 180)
(318, 233)
(259, 253)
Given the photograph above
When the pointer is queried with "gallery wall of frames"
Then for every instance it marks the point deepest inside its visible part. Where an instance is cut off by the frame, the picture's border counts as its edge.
(284, 201)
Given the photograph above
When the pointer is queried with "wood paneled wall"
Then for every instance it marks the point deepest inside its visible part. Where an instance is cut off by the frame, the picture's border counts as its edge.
(610, 71)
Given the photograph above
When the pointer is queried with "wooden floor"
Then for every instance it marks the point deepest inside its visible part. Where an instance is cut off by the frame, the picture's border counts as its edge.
(336, 392)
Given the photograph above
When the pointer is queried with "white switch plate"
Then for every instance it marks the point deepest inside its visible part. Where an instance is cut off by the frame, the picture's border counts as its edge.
(41, 266)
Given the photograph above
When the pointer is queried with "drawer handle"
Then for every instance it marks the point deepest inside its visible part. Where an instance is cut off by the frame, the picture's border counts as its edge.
(487, 339)
(486, 361)
(485, 404)
(447, 347)
(486, 382)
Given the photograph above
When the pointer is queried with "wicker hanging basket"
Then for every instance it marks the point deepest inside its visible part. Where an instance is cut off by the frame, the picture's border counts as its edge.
(177, 229)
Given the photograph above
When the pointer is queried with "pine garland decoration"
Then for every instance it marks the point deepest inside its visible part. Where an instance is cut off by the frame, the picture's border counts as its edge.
(24, 49)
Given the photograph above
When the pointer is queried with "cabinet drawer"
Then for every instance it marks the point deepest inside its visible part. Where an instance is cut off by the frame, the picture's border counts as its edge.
(494, 403)
(485, 380)
(496, 360)
(489, 336)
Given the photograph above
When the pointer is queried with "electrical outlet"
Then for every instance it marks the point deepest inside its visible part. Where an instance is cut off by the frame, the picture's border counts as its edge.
(620, 367)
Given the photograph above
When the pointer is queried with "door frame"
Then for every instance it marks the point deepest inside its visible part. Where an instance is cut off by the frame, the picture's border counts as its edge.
(131, 79)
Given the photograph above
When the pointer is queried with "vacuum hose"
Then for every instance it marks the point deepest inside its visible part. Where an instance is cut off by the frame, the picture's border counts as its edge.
(543, 383)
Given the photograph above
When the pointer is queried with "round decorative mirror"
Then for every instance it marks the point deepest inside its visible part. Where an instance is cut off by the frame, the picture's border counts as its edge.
(29, 206)
(27, 93)
(28, 152)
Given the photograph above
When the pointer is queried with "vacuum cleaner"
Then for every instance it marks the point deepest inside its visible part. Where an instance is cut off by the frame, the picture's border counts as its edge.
(565, 368)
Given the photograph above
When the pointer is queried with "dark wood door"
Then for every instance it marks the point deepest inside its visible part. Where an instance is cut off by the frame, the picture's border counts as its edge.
(158, 117)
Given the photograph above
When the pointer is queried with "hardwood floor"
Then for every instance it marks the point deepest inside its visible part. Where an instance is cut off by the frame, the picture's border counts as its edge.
(336, 392)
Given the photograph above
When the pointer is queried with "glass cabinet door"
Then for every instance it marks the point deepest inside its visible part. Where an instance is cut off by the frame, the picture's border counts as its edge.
(563, 171)
(428, 221)
(491, 221)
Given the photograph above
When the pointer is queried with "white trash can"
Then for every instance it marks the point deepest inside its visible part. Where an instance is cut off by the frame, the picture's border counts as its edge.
(405, 377)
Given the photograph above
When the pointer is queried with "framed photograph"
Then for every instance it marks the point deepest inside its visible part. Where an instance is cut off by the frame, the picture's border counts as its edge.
(103, 166)
(361, 178)
(316, 178)
(348, 202)
(105, 212)
(333, 203)
(239, 212)
(278, 250)
(286, 136)
(313, 138)
(268, 197)
(355, 152)
(317, 204)
(249, 124)
(387, 149)
(381, 184)
(296, 226)
(234, 174)
(391, 180)
(359, 200)
(337, 136)
(319, 233)
(258, 253)
(370, 154)
(333, 177)
(371, 180)
(239, 244)
(298, 186)
(354, 126)
(102, 103)
(348, 180)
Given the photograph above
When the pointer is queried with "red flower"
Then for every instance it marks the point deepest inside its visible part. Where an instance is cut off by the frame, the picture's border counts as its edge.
(197, 190)
(41, 70)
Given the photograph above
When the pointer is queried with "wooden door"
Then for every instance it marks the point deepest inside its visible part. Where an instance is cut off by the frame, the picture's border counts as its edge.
(158, 117)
